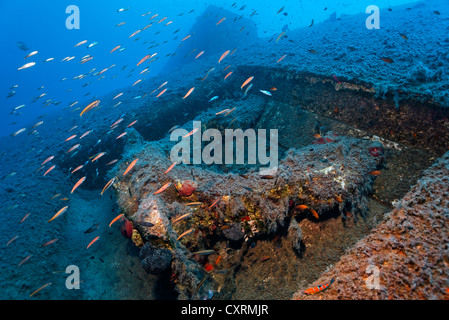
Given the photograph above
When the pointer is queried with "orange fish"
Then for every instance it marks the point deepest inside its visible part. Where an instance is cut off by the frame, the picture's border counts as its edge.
(230, 111)
(73, 148)
(116, 218)
(80, 43)
(132, 123)
(59, 213)
(222, 111)
(77, 168)
(189, 92)
(23, 219)
(162, 85)
(45, 285)
(119, 95)
(181, 217)
(122, 135)
(161, 93)
(90, 106)
(191, 132)
(131, 166)
(93, 241)
(134, 33)
(375, 173)
(12, 239)
(314, 213)
(213, 204)
(199, 54)
(222, 19)
(302, 207)
(165, 186)
(280, 36)
(56, 195)
(227, 75)
(48, 159)
(25, 260)
(246, 82)
(185, 233)
(169, 168)
(224, 55)
(112, 162)
(98, 156)
(71, 137)
(80, 181)
(115, 48)
(338, 198)
(116, 122)
(387, 60)
(49, 242)
(318, 288)
(85, 134)
(144, 59)
(51, 168)
(106, 187)
(281, 58)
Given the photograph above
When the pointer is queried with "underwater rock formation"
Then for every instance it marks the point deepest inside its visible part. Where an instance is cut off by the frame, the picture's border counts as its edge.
(333, 176)
(295, 235)
(408, 252)
(154, 260)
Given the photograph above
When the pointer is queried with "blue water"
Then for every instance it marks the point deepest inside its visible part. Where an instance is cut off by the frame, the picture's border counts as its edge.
(41, 26)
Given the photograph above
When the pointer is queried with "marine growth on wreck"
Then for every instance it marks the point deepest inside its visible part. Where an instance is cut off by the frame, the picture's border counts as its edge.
(226, 151)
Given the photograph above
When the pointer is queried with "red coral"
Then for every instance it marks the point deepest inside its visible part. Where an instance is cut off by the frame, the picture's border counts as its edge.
(208, 267)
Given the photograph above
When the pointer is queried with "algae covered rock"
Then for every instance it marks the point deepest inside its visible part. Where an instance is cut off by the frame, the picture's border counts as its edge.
(234, 232)
(295, 235)
(155, 260)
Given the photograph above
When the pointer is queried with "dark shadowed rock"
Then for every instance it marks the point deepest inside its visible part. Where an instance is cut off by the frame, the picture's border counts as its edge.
(155, 260)
(234, 233)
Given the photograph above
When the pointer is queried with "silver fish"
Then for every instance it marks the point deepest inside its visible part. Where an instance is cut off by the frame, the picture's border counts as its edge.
(266, 92)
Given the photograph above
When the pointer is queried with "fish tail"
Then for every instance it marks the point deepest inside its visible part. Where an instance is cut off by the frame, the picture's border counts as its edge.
(332, 281)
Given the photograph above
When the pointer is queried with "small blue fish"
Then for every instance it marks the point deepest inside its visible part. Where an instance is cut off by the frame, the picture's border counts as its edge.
(213, 98)
(97, 143)
(266, 92)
